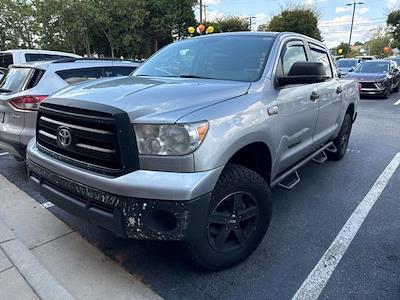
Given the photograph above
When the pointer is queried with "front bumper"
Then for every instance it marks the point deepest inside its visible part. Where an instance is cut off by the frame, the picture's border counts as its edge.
(372, 89)
(125, 216)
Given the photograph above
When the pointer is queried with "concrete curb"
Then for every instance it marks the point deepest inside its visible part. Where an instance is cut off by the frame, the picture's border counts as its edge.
(40, 280)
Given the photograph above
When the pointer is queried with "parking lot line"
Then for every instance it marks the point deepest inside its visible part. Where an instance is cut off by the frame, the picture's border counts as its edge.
(397, 103)
(319, 276)
(47, 204)
(4, 153)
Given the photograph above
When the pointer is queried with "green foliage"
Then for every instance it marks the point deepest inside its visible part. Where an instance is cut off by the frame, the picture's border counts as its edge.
(300, 19)
(393, 21)
(231, 23)
(376, 45)
(128, 28)
(345, 47)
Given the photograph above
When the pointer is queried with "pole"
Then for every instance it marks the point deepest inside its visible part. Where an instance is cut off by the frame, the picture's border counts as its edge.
(250, 21)
(352, 21)
(201, 11)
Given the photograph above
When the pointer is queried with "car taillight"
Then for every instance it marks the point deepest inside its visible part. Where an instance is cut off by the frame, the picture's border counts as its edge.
(359, 88)
(27, 102)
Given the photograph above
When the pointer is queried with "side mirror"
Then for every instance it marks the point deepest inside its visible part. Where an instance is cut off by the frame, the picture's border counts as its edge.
(303, 72)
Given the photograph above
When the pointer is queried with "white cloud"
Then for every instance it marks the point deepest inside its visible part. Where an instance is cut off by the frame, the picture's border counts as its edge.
(211, 2)
(363, 10)
(342, 9)
(392, 4)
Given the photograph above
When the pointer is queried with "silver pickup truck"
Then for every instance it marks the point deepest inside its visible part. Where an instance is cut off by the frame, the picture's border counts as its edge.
(189, 146)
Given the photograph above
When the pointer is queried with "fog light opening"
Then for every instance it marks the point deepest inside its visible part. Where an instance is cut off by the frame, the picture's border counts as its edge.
(162, 220)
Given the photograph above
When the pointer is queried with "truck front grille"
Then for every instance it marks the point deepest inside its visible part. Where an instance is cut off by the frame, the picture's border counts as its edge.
(82, 137)
(368, 85)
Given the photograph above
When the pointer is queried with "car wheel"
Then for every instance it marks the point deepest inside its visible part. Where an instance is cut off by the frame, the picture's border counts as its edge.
(342, 140)
(386, 93)
(239, 216)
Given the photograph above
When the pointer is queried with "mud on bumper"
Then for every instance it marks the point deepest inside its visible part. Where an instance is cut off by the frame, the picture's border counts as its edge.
(125, 216)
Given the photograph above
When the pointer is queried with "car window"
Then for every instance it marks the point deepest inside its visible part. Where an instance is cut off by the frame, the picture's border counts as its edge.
(6, 59)
(43, 57)
(321, 56)
(291, 54)
(344, 63)
(79, 75)
(372, 67)
(118, 71)
(15, 79)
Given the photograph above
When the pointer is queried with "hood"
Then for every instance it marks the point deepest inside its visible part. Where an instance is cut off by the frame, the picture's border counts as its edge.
(366, 76)
(155, 99)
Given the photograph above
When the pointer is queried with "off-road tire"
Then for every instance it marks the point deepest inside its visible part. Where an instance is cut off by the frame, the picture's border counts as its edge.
(342, 140)
(235, 181)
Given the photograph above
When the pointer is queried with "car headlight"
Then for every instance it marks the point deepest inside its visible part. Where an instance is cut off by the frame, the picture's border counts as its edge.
(175, 139)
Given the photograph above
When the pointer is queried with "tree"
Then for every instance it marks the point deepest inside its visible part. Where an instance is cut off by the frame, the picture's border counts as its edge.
(345, 47)
(393, 21)
(377, 44)
(301, 19)
(231, 23)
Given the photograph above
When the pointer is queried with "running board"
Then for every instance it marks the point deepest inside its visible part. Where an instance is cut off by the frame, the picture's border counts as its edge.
(289, 183)
(320, 158)
(293, 170)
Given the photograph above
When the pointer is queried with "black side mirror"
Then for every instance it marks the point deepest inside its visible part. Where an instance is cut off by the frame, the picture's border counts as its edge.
(303, 72)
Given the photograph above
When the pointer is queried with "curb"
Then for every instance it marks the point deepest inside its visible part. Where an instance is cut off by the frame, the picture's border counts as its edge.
(39, 279)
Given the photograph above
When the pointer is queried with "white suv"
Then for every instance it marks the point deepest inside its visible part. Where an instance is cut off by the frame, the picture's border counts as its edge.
(21, 56)
(25, 86)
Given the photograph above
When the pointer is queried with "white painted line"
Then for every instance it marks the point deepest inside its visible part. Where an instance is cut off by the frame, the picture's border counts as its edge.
(397, 103)
(4, 153)
(47, 204)
(319, 276)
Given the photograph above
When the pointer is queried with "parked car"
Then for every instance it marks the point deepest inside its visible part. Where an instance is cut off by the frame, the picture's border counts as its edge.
(346, 65)
(25, 86)
(21, 56)
(397, 60)
(377, 77)
(189, 146)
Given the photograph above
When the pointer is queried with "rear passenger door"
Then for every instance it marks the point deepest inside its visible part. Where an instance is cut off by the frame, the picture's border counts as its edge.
(329, 101)
(297, 109)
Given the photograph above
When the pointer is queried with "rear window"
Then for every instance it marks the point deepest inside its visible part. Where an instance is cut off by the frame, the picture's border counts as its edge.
(79, 75)
(43, 57)
(15, 79)
(6, 59)
(117, 71)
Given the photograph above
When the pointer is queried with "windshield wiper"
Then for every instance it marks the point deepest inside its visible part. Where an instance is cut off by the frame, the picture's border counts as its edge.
(5, 91)
(194, 76)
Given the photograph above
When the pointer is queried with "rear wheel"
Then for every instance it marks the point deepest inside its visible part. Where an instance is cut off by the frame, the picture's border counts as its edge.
(342, 140)
(239, 216)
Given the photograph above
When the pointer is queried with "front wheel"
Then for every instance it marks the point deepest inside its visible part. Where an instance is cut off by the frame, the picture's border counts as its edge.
(239, 216)
(342, 140)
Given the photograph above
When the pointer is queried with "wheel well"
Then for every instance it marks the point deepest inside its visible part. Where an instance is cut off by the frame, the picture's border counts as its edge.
(350, 110)
(256, 157)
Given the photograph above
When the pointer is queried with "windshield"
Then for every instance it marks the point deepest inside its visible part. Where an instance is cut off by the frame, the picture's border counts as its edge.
(239, 58)
(346, 63)
(6, 59)
(372, 67)
(14, 80)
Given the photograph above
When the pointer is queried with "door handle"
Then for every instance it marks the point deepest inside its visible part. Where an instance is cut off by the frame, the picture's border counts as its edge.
(314, 96)
(339, 90)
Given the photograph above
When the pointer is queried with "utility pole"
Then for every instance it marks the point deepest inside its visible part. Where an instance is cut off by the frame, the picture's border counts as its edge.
(250, 18)
(354, 4)
(201, 11)
(205, 12)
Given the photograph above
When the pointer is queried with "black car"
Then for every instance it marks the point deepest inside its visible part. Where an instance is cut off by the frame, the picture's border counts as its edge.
(377, 77)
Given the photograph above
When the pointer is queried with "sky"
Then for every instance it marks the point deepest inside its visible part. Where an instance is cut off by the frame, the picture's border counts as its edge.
(335, 17)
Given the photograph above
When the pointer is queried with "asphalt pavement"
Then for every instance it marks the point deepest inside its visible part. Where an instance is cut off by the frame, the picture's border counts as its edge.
(306, 220)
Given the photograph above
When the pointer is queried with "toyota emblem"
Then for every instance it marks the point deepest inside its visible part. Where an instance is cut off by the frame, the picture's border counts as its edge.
(64, 136)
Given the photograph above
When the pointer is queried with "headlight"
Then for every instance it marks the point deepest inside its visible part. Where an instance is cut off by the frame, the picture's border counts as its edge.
(176, 139)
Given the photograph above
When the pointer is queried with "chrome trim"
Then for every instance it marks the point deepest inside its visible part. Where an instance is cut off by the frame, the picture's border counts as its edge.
(49, 135)
(75, 126)
(94, 148)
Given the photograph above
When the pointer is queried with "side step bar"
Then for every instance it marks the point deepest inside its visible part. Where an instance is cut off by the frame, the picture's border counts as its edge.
(293, 170)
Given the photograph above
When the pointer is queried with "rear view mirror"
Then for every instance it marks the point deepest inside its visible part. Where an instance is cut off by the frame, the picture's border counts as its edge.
(303, 72)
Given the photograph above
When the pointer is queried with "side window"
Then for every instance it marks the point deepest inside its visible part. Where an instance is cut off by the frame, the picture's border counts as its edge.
(42, 57)
(79, 75)
(291, 54)
(322, 57)
(117, 71)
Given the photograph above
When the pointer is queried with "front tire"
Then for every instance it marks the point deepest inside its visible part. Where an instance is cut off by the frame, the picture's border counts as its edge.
(342, 140)
(239, 216)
